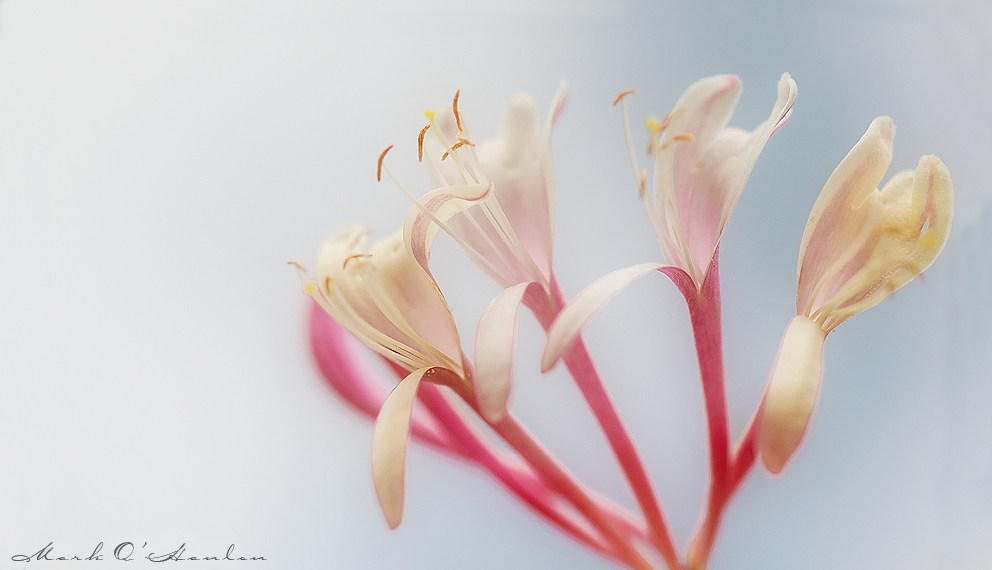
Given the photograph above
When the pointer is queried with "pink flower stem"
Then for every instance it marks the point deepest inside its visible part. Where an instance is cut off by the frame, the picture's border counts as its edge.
(587, 379)
(558, 478)
(523, 484)
(704, 313)
(613, 524)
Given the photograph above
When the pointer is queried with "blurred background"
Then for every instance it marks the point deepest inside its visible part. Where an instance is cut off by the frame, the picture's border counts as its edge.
(161, 161)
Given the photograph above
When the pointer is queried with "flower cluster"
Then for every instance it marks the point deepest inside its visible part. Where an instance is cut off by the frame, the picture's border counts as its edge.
(496, 201)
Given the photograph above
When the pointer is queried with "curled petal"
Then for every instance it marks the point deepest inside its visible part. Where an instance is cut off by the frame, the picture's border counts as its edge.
(389, 440)
(431, 211)
(390, 436)
(495, 345)
(790, 397)
(573, 318)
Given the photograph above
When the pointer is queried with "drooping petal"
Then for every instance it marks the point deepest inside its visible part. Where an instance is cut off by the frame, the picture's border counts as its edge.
(590, 301)
(389, 442)
(341, 365)
(837, 224)
(495, 345)
(790, 397)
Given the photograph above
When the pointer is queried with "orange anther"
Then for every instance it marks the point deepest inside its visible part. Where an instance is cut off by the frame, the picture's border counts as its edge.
(420, 142)
(623, 94)
(454, 109)
(350, 257)
(378, 170)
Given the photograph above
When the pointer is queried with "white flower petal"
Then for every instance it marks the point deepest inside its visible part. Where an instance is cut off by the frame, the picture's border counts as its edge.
(495, 344)
(790, 397)
(389, 442)
(573, 318)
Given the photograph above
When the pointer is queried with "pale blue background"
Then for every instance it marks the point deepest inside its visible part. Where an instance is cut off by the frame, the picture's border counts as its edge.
(161, 161)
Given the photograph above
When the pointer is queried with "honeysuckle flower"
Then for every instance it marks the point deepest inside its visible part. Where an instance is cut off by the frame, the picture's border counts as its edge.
(383, 296)
(496, 201)
(859, 246)
(701, 167)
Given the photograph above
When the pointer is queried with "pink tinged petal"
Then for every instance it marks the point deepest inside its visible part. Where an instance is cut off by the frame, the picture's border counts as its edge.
(574, 317)
(389, 442)
(837, 223)
(790, 397)
(437, 207)
(701, 112)
(495, 346)
(714, 172)
(518, 164)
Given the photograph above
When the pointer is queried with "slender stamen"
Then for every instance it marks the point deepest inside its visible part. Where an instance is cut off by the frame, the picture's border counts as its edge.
(341, 310)
(444, 141)
(387, 305)
(464, 244)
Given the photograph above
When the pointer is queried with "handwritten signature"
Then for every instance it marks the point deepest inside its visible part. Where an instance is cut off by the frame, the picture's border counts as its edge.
(127, 551)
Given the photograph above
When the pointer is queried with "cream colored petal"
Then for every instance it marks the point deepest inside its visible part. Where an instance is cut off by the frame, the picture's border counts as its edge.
(590, 301)
(495, 345)
(389, 442)
(790, 397)
(836, 225)
(911, 226)
(416, 298)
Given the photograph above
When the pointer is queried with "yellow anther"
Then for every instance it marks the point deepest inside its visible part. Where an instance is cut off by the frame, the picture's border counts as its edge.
(378, 170)
(463, 140)
(623, 94)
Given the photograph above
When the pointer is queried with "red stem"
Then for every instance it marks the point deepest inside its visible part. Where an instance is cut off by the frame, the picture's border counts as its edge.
(523, 484)
(726, 474)
(545, 308)
(610, 521)
(558, 478)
